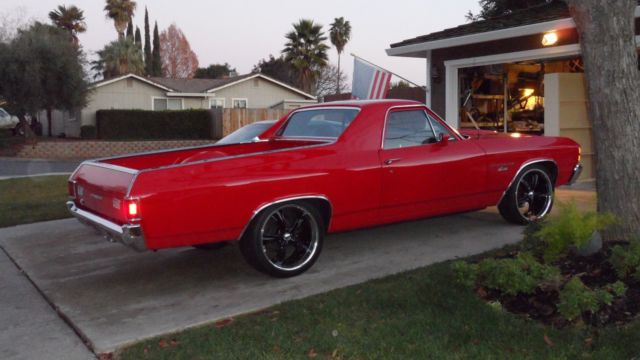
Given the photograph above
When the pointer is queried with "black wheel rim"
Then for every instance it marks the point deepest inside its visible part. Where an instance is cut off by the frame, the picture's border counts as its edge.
(289, 237)
(534, 195)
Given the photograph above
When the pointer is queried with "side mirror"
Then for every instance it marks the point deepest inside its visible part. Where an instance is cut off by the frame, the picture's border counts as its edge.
(442, 139)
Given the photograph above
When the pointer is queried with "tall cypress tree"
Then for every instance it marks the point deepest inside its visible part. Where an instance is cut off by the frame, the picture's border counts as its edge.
(156, 63)
(138, 38)
(147, 44)
(130, 29)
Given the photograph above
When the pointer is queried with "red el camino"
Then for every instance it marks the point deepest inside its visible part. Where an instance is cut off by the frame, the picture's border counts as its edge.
(321, 169)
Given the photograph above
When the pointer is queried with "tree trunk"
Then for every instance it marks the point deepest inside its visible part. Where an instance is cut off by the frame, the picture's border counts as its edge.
(338, 76)
(607, 38)
(49, 126)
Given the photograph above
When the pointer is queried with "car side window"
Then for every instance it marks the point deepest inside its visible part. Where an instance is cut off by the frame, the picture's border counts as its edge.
(408, 128)
(439, 128)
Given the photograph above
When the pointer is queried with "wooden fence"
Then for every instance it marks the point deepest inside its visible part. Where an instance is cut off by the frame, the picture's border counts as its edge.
(227, 121)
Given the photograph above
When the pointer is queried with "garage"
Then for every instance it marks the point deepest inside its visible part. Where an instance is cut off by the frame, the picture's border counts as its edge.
(518, 73)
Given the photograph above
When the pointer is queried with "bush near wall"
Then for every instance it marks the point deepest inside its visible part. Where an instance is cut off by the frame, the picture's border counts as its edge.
(153, 125)
(88, 132)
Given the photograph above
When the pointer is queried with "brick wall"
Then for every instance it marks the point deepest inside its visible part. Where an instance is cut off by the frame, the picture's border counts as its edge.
(87, 149)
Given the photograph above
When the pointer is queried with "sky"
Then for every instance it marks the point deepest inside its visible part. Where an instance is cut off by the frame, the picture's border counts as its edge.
(241, 32)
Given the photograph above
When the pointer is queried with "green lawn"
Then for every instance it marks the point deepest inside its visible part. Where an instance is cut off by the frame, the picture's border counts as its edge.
(421, 314)
(27, 200)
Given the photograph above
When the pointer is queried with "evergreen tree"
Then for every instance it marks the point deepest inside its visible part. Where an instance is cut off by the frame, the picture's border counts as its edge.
(156, 62)
(130, 29)
(147, 44)
(138, 38)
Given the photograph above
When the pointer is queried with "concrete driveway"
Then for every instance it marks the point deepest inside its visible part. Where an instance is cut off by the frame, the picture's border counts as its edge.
(114, 296)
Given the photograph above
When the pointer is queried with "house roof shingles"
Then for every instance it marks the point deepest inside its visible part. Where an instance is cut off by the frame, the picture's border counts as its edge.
(196, 85)
(537, 14)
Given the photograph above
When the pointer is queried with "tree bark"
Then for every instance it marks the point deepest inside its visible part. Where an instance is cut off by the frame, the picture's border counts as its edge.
(49, 127)
(338, 76)
(607, 38)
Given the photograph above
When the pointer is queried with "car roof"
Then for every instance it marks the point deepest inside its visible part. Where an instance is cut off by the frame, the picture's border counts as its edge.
(365, 103)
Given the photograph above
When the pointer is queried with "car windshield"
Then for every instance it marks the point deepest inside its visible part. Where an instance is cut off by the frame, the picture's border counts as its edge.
(324, 123)
(246, 133)
(3, 113)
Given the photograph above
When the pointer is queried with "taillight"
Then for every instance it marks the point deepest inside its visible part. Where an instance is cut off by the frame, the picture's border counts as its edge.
(132, 209)
(71, 186)
(579, 153)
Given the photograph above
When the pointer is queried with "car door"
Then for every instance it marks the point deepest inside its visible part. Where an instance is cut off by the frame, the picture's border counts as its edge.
(427, 169)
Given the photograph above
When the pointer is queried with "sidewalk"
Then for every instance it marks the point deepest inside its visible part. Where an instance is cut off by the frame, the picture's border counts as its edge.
(13, 167)
(29, 327)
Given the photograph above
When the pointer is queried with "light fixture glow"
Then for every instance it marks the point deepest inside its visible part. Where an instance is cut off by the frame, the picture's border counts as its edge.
(550, 38)
(133, 209)
(515, 135)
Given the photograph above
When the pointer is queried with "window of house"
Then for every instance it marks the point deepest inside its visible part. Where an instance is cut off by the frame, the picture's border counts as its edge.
(160, 104)
(216, 103)
(240, 103)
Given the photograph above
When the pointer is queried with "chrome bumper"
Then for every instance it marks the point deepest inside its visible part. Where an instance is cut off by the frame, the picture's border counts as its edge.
(575, 174)
(129, 235)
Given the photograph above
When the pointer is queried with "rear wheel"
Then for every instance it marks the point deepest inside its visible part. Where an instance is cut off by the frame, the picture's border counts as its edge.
(284, 240)
(529, 198)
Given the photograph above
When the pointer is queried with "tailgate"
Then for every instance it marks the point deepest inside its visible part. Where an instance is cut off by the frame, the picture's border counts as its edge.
(101, 189)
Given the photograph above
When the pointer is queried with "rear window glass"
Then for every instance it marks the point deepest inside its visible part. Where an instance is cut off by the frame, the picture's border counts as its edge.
(323, 123)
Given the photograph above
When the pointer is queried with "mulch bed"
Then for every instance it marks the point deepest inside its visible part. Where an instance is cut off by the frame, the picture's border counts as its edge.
(594, 271)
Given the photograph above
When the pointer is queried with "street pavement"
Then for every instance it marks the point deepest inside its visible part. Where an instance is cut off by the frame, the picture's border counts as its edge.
(114, 296)
(16, 167)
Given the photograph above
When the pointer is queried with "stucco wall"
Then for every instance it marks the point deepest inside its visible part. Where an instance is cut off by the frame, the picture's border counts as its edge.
(123, 94)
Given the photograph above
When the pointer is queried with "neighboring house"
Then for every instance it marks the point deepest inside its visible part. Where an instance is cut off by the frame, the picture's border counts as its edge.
(137, 92)
(520, 72)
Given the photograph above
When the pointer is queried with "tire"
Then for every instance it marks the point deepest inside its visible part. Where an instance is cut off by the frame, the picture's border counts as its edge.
(18, 130)
(530, 196)
(212, 246)
(284, 240)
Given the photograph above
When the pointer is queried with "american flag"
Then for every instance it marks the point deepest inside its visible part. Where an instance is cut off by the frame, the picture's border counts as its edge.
(369, 81)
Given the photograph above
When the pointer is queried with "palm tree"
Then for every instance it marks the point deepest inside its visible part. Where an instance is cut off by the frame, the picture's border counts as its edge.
(119, 57)
(340, 34)
(70, 19)
(120, 11)
(306, 51)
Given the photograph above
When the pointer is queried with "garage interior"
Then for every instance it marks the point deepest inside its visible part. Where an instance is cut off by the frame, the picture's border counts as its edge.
(509, 97)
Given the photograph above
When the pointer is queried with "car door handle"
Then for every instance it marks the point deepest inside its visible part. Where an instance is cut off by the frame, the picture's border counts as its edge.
(391, 161)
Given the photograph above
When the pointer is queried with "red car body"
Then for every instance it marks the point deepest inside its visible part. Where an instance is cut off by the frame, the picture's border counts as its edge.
(210, 194)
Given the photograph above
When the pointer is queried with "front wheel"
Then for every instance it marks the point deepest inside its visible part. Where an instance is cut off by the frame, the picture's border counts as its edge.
(530, 196)
(284, 240)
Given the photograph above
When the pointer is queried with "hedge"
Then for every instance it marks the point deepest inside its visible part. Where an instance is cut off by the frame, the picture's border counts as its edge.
(88, 132)
(153, 125)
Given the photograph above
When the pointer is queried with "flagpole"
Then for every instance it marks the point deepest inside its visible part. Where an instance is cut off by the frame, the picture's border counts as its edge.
(391, 72)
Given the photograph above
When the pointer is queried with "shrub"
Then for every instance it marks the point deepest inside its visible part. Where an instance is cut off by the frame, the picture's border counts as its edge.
(88, 132)
(626, 260)
(142, 124)
(570, 228)
(522, 274)
(576, 298)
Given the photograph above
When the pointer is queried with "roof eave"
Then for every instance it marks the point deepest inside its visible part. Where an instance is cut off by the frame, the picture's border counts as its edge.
(419, 50)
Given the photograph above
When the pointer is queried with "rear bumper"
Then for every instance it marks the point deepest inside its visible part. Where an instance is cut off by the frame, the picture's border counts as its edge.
(129, 235)
(575, 174)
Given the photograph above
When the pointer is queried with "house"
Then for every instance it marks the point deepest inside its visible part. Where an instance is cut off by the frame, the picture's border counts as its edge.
(521, 72)
(136, 92)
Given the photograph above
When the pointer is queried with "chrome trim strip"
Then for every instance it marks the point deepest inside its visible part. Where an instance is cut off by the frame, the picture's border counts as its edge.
(577, 170)
(293, 198)
(524, 165)
(129, 235)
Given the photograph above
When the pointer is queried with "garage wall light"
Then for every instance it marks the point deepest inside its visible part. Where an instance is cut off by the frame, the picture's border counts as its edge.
(550, 38)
